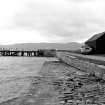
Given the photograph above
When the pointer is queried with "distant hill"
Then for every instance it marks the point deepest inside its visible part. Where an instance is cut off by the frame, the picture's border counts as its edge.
(35, 46)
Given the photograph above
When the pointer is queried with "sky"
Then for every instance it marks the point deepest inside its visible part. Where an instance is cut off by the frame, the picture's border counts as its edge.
(52, 21)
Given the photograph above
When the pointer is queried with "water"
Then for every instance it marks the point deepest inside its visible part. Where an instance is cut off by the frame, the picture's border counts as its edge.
(15, 73)
(11, 67)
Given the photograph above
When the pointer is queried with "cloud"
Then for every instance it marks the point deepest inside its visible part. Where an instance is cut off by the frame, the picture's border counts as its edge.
(70, 20)
(8, 9)
(19, 35)
(50, 20)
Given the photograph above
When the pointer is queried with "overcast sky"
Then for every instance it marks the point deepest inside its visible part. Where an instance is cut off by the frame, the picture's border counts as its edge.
(26, 21)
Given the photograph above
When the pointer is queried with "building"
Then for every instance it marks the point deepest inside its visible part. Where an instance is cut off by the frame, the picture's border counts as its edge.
(97, 43)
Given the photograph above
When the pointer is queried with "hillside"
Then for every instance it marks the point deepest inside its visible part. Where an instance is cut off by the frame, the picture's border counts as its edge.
(35, 46)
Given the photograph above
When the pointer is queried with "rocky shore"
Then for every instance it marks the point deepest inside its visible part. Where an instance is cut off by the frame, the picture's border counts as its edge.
(60, 84)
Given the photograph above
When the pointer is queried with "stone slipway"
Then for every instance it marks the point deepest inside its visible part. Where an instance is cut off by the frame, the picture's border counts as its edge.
(83, 65)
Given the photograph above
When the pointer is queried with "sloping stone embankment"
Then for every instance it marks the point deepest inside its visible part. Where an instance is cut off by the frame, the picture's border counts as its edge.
(60, 84)
(86, 66)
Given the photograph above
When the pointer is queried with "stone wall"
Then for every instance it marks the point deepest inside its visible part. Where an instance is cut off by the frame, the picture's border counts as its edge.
(82, 65)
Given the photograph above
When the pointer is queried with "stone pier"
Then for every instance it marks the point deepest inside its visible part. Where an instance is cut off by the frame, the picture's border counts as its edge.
(82, 65)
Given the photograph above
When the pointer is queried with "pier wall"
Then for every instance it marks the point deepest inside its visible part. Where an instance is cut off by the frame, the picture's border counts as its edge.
(85, 66)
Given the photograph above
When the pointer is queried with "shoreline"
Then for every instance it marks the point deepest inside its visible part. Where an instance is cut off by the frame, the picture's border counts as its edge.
(58, 83)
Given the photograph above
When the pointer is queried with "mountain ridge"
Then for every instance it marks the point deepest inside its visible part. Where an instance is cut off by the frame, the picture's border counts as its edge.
(35, 46)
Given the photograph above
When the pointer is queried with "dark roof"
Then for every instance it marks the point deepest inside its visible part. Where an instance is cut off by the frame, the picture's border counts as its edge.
(95, 37)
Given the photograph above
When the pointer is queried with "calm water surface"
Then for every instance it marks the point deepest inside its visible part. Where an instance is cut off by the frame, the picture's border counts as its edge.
(20, 66)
